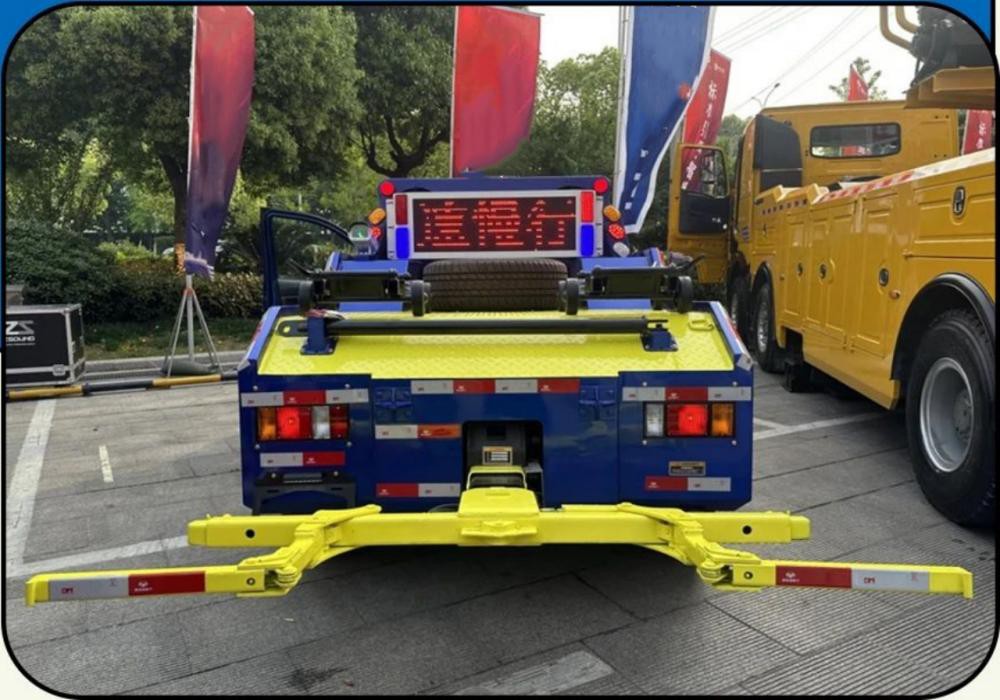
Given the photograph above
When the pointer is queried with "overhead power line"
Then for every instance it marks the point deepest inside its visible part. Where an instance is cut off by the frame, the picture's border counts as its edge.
(768, 30)
(812, 51)
(752, 22)
(830, 63)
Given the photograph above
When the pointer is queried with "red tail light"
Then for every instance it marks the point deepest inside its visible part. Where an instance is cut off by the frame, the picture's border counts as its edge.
(687, 419)
(386, 188)
(601, 185)
(587, 206)
(616, 231)
(402, 215)
(294, 423)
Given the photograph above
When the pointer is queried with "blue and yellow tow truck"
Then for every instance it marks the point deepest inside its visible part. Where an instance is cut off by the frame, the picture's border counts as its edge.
(490, 362)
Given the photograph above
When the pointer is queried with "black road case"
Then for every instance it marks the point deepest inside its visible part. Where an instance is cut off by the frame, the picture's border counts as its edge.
(43, 344)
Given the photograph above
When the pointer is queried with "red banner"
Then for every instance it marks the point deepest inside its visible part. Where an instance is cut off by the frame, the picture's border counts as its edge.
(704, 114)
(496, 69)
(978, 130)
(222, 67)
(857, 88)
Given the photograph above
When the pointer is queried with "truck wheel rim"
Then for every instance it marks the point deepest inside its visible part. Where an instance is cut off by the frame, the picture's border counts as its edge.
(946, 415)
(763, 325)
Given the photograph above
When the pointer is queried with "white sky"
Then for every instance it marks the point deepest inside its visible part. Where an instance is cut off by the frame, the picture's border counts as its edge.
(803, 48)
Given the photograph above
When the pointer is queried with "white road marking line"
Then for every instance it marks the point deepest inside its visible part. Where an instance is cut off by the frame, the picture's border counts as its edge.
(24, 483)
(74, 561)
(556, 676)
(105, 464)
(768, 423)
(816, 425)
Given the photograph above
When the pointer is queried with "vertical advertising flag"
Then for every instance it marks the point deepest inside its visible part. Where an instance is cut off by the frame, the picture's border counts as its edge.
(857, 88)
(978, 130)
(664, 52)
(222, 69)
(493, 89)
(704, 115)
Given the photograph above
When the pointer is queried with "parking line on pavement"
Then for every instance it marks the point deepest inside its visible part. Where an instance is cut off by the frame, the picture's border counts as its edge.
(73, 561)
(816, 425)
(24, 483)
(768, 423)
(556, 676)
(105, 464)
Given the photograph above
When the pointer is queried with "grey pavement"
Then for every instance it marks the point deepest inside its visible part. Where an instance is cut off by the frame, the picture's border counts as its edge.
(446, 620)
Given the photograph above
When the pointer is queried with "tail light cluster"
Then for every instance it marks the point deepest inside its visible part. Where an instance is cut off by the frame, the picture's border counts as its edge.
(303, 423)
(689, 420)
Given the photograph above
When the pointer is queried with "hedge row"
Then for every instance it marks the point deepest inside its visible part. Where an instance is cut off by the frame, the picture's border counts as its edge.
(60, 267)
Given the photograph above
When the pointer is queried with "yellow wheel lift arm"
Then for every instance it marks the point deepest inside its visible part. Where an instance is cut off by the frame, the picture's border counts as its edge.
(497, 516)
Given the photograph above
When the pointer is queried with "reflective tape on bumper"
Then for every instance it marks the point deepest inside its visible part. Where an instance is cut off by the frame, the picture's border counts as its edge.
(688, 483)
(410, 490)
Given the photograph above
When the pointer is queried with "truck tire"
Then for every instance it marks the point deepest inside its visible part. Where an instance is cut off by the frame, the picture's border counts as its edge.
(495, 285)
(738, 304)
(950, 418)
(762, 342)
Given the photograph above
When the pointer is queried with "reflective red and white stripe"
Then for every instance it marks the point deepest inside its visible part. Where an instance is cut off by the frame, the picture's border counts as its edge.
(687, 393)
(303, 397)
(410, 490)
(848, 577)
(303, 459)
(424, 387)
(688, 483)
(422, 431)
(126, 585)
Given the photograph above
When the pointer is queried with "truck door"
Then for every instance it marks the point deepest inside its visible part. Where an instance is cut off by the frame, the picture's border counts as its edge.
(699, 215)
(292, 245)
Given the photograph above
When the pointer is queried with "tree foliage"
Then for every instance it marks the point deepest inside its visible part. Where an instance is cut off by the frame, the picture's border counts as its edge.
(120, 76)
(863, 67)
(575, 116)
(404, 53)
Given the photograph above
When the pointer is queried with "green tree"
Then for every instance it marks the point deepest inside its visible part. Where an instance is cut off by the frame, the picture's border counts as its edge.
(730, 131)
(575, 116)
(405, 55)
(863, 67)
(120, 76)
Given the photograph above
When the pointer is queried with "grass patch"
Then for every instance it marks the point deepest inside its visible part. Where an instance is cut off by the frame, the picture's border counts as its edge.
(105, 341)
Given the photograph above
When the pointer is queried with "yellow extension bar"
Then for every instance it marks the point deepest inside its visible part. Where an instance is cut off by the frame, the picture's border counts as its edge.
(496, 516)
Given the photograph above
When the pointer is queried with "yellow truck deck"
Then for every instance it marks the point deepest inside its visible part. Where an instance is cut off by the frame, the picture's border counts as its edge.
(700, 347)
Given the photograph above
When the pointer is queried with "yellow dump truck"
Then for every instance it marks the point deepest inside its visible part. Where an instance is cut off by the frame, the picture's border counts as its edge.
(856, 241)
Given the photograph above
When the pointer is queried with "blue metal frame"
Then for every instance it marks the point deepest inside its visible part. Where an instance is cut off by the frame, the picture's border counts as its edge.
(594, 450)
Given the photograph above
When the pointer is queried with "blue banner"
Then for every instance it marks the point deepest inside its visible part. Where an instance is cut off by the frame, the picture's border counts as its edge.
(664, 50)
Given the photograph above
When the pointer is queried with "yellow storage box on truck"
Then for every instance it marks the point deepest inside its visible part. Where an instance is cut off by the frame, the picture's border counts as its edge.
(860, 244)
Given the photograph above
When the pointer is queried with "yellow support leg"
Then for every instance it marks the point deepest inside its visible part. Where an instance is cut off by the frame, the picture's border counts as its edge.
(497, 517)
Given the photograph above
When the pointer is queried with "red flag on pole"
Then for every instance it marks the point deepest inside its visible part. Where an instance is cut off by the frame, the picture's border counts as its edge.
(978, 130)
(857, 88)
(704, 114)
(493, 99)
(222, 67)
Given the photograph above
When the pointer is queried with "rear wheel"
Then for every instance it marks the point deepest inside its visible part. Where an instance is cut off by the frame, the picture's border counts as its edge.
(738, 304)
(949, 418)
(765, 347)
(494, 285)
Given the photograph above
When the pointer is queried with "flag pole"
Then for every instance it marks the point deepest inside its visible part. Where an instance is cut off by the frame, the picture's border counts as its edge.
(623, 29)
(451, 125)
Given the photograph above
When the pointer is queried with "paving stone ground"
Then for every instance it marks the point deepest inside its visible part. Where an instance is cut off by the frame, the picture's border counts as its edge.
(443, 620)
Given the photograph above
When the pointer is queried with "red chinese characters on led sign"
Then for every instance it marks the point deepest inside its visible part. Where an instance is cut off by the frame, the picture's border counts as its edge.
(494, 224)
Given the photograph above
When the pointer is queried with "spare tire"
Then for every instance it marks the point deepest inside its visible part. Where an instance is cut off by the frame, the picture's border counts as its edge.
(494, 285)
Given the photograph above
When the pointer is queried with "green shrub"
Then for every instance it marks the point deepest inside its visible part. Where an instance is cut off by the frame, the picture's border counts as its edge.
(147, 289)
(230, 295)
(60, 267)
(127, 250)
(115, 282)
